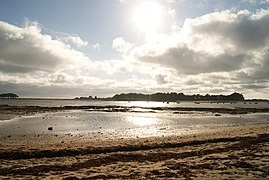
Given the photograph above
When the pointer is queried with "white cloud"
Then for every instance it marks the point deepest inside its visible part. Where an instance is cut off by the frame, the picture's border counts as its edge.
(121, 45)
(171, 1)
(122, 1)
(74, 41)
(58, 78)
(26, 49)
(30, 60)
(171, 12)
(78, 41)
(96, 46)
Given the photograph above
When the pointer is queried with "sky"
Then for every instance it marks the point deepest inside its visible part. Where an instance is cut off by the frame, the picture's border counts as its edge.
(67, 48)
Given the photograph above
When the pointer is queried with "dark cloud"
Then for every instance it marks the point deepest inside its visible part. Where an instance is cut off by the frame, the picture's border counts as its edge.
(243, 30)
(257, 72)
(262, 71)
(188, 61)
(253, 86)
(224, 41)
(161, 79)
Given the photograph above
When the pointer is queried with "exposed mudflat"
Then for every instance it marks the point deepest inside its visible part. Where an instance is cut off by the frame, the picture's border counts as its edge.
(8, 112)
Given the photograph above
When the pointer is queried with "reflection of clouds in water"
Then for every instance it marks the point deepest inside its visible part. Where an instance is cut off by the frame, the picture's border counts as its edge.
(142, 121)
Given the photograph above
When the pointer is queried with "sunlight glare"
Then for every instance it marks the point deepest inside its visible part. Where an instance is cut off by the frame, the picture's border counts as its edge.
(141, 121)
(148, 16)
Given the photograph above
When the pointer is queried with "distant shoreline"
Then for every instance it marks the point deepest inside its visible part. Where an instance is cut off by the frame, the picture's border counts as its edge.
(104, 99)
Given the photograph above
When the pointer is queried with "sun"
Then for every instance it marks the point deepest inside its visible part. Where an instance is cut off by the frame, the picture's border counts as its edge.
(148, 15)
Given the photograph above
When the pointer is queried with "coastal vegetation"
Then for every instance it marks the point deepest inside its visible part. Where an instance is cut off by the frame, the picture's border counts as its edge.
(169, 97)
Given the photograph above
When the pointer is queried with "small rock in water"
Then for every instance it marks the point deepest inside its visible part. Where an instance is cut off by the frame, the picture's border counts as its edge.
(50, 128)
(217, 115)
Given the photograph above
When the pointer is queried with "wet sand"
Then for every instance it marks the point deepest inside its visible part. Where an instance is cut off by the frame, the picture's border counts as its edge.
(227, 153)
(222, 153)
(8, 112)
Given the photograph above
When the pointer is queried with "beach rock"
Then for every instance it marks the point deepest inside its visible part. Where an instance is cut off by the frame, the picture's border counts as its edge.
(217, 115)
(50, 128)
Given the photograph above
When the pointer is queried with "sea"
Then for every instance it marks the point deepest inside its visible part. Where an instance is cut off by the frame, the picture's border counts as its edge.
(75, 102)
(139, 123)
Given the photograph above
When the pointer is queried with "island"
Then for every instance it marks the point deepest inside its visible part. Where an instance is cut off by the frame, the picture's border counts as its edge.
(168, 97)
(9, 96)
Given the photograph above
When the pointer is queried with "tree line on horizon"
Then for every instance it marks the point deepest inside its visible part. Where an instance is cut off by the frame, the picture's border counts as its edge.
(173, 97)
(169, 97)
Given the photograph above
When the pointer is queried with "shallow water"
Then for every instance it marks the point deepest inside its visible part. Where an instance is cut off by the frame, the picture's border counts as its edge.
(125, 124)
(73, 102)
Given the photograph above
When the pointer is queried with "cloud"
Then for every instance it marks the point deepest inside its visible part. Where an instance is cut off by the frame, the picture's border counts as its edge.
(26, 49)
(121, 45)
(161, 79)
(239, 31)
(77, 41)
(258, 69)
(213, 53)
(256, 2)
(224, 41)
(218, 52)
(74, 41)
(96, 46)
(188, 61)
(171, 1)
(36, 63)
(122, 1)
(58, 78)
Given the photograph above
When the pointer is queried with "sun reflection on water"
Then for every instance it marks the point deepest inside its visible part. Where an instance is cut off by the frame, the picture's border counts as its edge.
(146, 104)
(142, 121)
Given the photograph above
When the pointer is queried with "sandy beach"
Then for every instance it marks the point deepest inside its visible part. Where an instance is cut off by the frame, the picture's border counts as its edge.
(230, 152)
